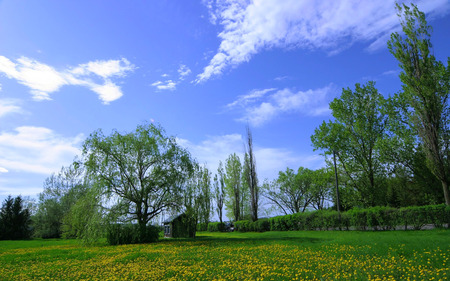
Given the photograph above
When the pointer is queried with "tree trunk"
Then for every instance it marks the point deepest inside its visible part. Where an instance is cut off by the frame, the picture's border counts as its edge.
(446, 192)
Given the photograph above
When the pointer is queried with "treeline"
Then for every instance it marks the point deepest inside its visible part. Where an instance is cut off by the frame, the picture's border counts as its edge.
(394, 151)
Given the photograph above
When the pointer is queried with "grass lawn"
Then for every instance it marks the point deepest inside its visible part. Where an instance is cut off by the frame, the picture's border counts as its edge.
(296, 255)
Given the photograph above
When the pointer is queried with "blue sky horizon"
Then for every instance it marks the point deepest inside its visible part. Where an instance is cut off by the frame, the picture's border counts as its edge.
(201, 69)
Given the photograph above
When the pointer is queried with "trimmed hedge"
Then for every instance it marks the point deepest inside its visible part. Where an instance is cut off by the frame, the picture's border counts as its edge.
(118, 234)
(260, 225)
(216, 227)
(202, 226)
(375, 218)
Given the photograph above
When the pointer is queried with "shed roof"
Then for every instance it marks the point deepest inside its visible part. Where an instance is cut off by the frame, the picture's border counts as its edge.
(172, 218)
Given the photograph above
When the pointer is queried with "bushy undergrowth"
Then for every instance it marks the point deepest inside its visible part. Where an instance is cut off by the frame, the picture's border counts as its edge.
(118, 234)
(216, 227)
(375, 218)
(256, 226)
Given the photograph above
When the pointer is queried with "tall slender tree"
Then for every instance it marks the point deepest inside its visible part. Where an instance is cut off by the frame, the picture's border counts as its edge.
(252, 179)
(219, 190)
(426, 87)
(233, 170)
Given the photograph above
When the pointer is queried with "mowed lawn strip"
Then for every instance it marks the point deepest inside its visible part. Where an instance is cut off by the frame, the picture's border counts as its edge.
(296, 255)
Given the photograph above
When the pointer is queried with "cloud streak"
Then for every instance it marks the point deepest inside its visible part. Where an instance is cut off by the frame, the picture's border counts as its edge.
(261, 106)
(248, 27)
(9, 106)
(36, 150)
(43, 80)
(169, 84)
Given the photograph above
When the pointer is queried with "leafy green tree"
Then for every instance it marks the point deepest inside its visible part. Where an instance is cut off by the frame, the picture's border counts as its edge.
(250, 175)
(233, 169)
(245, 208)
(426, 87)
(143, 172)
(219, 191)
(290, 192)
(86, 219)
(15, 222)
(204, 200)
(61, 192)
(356, 135)
(322, 187)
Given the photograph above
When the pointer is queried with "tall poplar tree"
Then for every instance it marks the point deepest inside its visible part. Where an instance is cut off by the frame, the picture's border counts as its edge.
(233, 170)
(426, 86)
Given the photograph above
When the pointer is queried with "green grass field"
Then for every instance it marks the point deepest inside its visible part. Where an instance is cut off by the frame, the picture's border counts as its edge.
(296, 255)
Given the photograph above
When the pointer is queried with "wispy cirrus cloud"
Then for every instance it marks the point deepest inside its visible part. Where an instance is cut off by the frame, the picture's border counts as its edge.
(165, 85)
(170, 84)
(261, 106)
(183, 71)
(9, 106)
(43, 80)
(252, 26)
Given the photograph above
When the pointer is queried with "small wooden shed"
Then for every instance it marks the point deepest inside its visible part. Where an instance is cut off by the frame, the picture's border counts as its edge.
(180, 226)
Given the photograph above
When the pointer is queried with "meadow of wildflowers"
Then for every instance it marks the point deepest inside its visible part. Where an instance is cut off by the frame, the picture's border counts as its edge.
(297, 255)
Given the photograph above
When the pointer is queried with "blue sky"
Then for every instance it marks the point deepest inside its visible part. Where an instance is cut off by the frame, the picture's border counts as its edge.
(202, 69)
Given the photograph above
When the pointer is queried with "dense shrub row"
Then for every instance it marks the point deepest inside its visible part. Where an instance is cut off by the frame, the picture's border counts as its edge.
(257, 226)
(202, 226)
(375, 218)
(216, 227)
(118, 234)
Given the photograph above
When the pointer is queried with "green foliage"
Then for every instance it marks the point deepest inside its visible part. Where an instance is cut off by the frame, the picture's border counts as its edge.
(260, 225)
(184, 226)
(145, 170)
(203, 226)
(198, 197)
(219, 190)
(374, 218)
(15, 222)
(216, 227)
(61, 192)
(85, 220)
(426, 89)
(291, 192)
(232, 179)
(118, 234)
(356, 136)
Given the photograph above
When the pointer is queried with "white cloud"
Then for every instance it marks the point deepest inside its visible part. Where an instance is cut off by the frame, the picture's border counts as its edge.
(36, 150)
(40, 78)
(250, 97)
(183, 71)
(44, 80)
(3, 170)
(8, 106)
(269, 161)
(105, 69)
(252, 26)
(108, 92)
(260, 108)
(166, 85)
